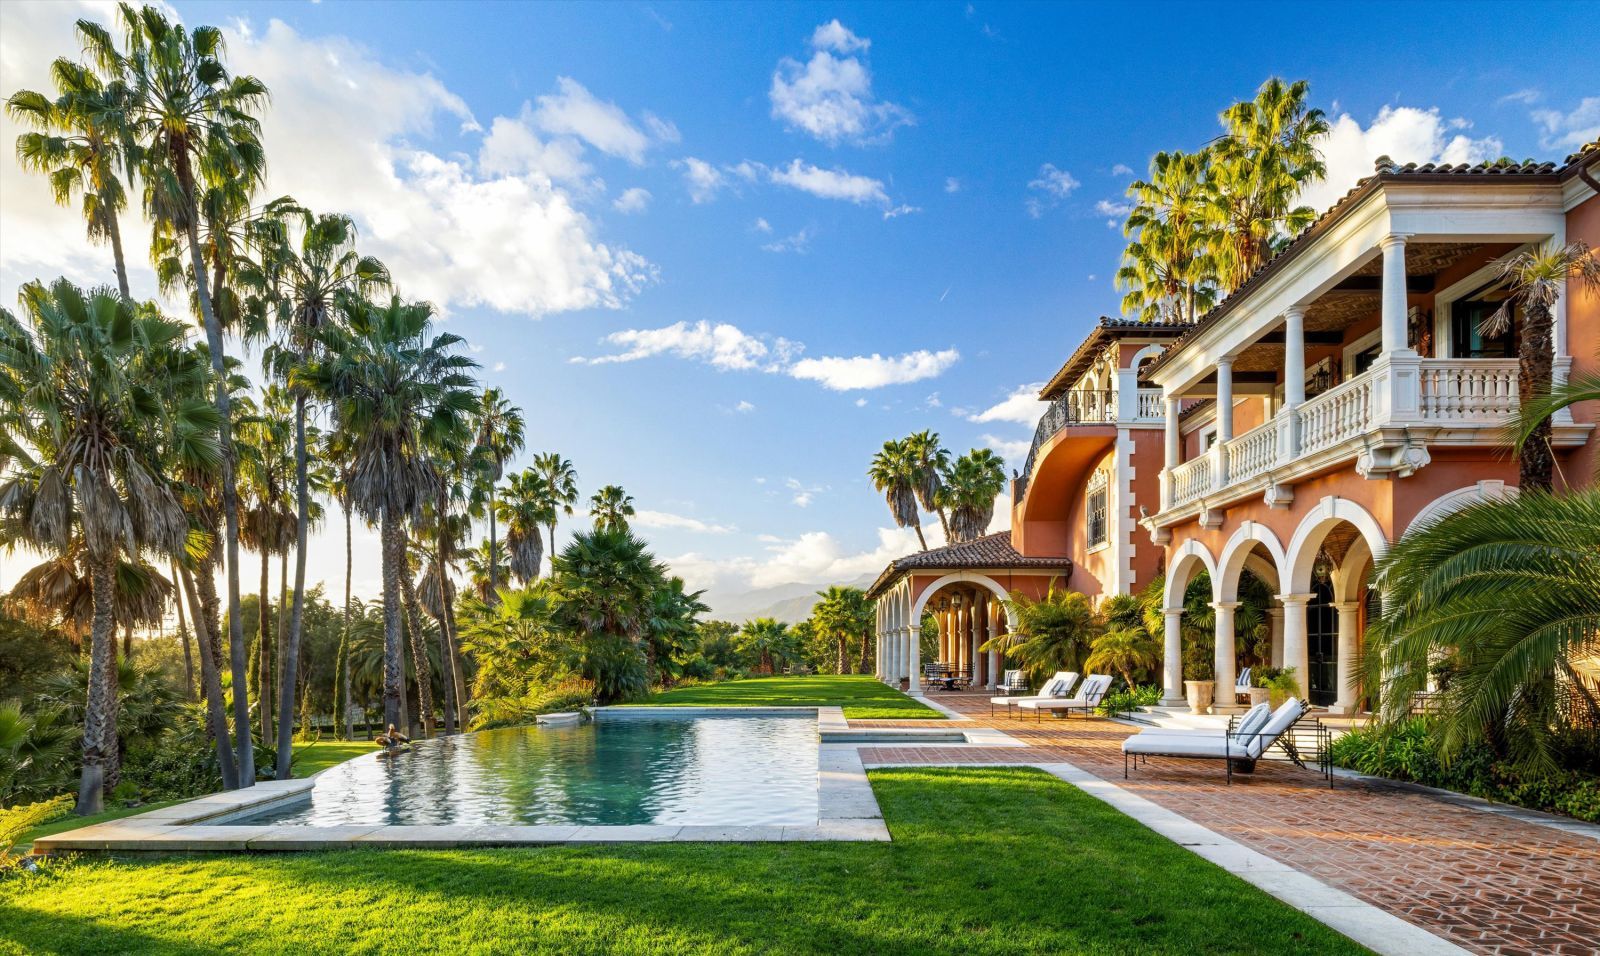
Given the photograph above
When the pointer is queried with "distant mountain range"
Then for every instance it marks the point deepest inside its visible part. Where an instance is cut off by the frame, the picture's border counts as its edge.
(785, 602)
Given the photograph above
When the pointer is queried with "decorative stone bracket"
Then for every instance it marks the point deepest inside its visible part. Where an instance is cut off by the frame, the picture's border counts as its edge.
(1396, 454)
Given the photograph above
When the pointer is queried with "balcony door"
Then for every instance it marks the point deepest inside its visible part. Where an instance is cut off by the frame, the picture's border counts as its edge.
(1322, 639)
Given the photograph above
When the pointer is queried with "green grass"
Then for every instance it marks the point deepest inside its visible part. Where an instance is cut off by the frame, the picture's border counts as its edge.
(322, 754)
(72, 823)
(863, 697)
(997, 860)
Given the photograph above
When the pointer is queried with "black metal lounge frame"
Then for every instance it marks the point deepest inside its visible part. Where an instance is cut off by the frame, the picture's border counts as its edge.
(1307, 729)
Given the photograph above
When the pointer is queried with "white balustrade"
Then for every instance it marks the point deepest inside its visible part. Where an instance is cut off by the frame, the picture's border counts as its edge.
(1339, 413)
(1254, 452)
(1469, 390)
(1151, 406)
(1192, 479)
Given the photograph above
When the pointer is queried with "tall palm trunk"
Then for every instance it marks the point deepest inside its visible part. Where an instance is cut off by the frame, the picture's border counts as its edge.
(183, 637)
(101, 709)
(865, 663)
(844, 653)
(494, 564)
(394, 676)
(291, 657)
(341, 693)
(114, 230)
(920, 539)
(264, 647)
(230, 490)
(1536, 464)
(419, 652)
(211, 687)
(446, 673)
(447, 604)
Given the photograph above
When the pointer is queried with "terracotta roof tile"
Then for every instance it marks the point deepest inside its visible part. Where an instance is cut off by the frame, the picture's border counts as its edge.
(993, 551)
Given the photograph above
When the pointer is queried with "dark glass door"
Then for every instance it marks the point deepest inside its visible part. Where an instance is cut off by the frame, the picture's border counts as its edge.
(1322, 640)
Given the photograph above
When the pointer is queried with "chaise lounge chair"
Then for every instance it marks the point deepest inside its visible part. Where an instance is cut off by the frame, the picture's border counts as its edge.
(1057, 687)
(1246, 740)
(1086, 699)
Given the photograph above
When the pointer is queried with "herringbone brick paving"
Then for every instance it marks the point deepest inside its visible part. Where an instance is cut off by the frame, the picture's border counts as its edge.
(1481, 880)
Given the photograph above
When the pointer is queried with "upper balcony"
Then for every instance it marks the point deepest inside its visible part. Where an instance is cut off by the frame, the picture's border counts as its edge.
(1363, 344)
(1088, 407)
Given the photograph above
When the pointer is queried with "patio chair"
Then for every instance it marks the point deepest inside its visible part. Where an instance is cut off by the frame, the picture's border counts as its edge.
(1246, 740)
(1241, 687)
(1087, 698)
(1012, 684)
(1056, 687)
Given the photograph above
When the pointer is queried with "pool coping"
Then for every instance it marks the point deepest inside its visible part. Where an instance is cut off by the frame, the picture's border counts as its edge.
(847, 810)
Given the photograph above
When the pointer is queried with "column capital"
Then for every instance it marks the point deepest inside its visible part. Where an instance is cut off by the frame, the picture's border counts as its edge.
(1296, 600)
(1275, 610)
(1224, 605)
(1394, 239)
(1224, 361)
(1347, 607)
(1297, 311)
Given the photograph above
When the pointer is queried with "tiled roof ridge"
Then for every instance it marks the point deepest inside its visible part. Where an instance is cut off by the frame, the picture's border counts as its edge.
(987, 551)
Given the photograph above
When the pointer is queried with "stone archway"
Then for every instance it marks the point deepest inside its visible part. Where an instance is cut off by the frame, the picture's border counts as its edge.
(1188, 560)
(1328, 560)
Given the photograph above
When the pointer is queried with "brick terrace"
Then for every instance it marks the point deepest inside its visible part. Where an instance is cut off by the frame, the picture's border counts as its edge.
(1485, 882)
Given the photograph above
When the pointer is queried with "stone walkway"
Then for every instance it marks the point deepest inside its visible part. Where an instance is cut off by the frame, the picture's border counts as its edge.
(1485, 881)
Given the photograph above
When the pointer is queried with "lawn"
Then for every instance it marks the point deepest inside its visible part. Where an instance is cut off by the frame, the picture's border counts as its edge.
(863, 697)
(322, 754)
(996, 860)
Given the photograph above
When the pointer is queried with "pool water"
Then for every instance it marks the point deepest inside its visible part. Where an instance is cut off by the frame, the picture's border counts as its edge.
(735, 771)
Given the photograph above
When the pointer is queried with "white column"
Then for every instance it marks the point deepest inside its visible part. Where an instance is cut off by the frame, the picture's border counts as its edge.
(1173, 451)
(1394, 292)
(1226, 660)
(914, 660)
(1275, 615)
(1295, 652)
(974, 638)
(1349, 625)
(1224, 399)
(1172, 659)
(1294, 356)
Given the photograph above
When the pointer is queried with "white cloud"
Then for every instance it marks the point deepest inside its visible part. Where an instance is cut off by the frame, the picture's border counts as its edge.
(512, 148)
(830, 183)
(702, 178)
(1110, 207)
(1011, 451)
(727, 347)
(901, 210)
(803, 494)
(573, 111)
(830, 96)
(861, 403)
(874, 371)
(666, 520)
(1569, 131)
(815, 557)
(799, 242)
(721, 346)
(1405, 134)
(1527, 96)
(744, 407)
(1052, 185)
(952, 185)
(761, 225)
(1122, 169)
(1021, 406)
(499, 367)
(632, 200)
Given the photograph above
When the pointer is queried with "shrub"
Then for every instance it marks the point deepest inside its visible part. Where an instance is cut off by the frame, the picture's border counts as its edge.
(570, 694)
(19, 820)
(1129, 699)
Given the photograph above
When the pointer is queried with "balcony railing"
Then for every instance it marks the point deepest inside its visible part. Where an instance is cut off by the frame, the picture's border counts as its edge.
(1084, 407)
(1452, 392)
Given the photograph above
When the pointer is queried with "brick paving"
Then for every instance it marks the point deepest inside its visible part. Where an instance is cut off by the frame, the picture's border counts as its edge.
(1485, 882)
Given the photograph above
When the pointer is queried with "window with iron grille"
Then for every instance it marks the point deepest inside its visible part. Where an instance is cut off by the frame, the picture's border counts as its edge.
(1096, 509)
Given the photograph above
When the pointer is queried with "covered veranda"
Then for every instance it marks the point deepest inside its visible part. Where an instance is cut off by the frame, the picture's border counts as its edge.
(941, 606)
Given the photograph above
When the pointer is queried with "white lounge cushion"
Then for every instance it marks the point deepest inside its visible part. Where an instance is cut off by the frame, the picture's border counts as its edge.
(1254, 719)
(1088, 695)
(1176, 746)
(1054, 688)
(1282, 718)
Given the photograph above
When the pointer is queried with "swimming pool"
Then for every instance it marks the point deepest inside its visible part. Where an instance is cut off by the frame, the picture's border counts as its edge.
(735, 770)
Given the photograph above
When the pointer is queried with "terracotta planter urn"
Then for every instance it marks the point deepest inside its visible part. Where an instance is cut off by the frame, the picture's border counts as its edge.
(1258, 695)
(1201, 693)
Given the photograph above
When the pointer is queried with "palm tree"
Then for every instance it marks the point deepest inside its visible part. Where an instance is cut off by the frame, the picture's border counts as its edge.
(391, 383)
(1125, 646)
(561, 484)
(335, 452)
(845, 614)
(1535, 278)
(1052, 634)
(78, 141)
(267, 523)
(611, 507)
(929, 463)
(90, 394)
(673, 627)
(1536, 412)
(446, 526)
(185, 110)
(1167, 268)
(313, 277)
(524, 509)
(482, 568)
(1255, 173)
(499, 438)
(893, 472)
(769, 640)
(606, 580)
(1508, 593)
(969, 491)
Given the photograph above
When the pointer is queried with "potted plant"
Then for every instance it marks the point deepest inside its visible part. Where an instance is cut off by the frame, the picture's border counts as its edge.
(1201, 690)
(1257, 690)
(1278, 682)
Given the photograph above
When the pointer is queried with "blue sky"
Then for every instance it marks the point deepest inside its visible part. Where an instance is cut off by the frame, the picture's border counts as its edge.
(890, 216)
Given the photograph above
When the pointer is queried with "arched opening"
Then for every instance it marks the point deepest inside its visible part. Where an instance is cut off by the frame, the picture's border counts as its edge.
(1328, 603)
(957, 615)
(1189, 580)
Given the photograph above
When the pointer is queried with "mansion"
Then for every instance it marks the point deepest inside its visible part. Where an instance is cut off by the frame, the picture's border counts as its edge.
(1345, 393)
